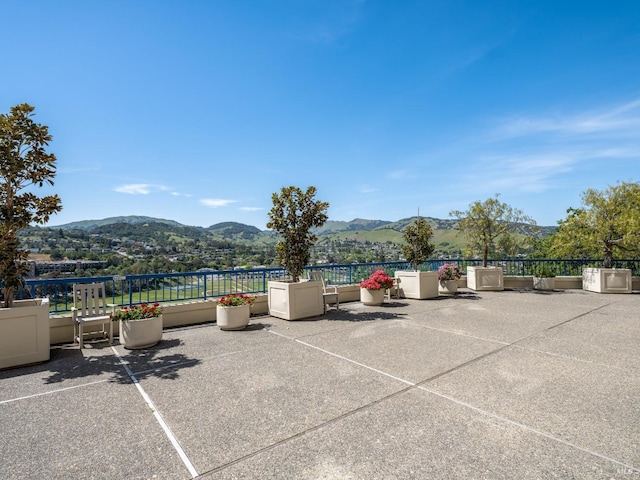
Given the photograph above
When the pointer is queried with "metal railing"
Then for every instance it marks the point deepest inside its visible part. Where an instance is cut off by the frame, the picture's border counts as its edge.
(179, 287)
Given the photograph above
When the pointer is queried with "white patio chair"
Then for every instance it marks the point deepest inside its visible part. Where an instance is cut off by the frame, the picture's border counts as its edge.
(93, 310)
(329, 292)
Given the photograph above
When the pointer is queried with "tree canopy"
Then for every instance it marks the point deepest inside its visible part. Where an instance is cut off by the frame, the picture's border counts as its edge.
(490, 226)
(292, 217)
(24, 163)
(418, 237)
(607, 225)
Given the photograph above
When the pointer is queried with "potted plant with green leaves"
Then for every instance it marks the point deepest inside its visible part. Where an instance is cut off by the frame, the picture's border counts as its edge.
(544, 278)
(372, 289)
(294, 215)
(140, 325)
(24, 166)
(233, 311)
(448, 276)
(607, 224)
(492, 227)
(416, 283)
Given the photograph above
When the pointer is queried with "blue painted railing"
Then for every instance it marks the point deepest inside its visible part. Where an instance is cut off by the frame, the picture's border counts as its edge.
(175, 287)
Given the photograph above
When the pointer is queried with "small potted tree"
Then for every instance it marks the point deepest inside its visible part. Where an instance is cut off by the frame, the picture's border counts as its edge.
(416, 283)
(24, 164)
(489, 226)
(607, 224)
(293, 216)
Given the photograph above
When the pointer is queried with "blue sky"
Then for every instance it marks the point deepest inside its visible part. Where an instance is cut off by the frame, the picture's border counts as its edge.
(198, 111)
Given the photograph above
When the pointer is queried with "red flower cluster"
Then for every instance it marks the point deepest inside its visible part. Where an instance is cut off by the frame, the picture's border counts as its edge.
(235, 300)
(379, 279)
(138, 312)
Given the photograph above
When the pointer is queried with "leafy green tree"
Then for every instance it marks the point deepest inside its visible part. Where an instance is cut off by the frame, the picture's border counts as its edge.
(292, 217)
(24, 163)
(608, 224)
(492, 224)
(418, 247)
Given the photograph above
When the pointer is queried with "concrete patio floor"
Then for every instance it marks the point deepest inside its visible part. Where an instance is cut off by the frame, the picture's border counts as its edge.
(512, 384)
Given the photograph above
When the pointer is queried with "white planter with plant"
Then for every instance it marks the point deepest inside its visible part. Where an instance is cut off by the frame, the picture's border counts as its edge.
(140, 325)
(544, 278)
(490, 226)
(372, 290)
(234, 311)
(24, 333)
(606, 224)
(24, 166)
(414, 283)
(292, 217)
(606, 280)
(485, 278)
(448, 275)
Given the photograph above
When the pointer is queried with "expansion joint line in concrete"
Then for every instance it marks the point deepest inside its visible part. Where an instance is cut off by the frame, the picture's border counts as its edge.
(174, 441)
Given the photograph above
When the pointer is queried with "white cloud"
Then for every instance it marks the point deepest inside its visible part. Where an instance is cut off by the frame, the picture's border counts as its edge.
(367, 189)
(139, 188)
(216, 202)
(251, 209)
(621, 120)
(400, 174)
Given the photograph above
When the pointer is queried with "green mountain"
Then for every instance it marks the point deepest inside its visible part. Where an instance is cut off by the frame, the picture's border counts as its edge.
(130, 219)
(141, 228)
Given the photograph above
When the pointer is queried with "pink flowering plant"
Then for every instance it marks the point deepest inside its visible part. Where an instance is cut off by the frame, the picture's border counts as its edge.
(449, 271)
(235, 300)
(379, 279)
(138, 312)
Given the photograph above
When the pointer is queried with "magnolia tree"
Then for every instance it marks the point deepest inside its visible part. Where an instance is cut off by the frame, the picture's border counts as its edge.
(608, 224)
(418, 246)
(292, 217)
(492, 225)
(24, 164)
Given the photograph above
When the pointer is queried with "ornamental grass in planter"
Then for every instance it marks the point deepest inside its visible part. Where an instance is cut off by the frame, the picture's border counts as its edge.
(140, 325)
(544, 278)
(233, 311)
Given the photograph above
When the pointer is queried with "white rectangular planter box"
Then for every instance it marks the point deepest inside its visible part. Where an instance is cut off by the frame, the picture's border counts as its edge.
(294, 301)
(485, 278)
(544, 283)
(606, 280)
(24, 333)
(417, 285)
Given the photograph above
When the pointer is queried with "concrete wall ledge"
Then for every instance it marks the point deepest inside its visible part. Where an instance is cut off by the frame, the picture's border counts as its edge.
(203, 311)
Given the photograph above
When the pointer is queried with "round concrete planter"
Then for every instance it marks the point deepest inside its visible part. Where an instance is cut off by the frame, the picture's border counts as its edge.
(143, 333)
(233, 318)
(448, 287)
(372, 297)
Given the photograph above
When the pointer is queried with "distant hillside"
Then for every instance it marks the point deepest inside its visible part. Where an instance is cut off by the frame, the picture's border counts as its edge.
(240, 232)
(141, 228)
(130, 219)
(336, 226)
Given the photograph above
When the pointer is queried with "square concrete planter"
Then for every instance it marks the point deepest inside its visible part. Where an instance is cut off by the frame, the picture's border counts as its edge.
(544, 283)
(417, 285)
(24, 333)
(295, 301)
(485, 278)
(606, 280)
